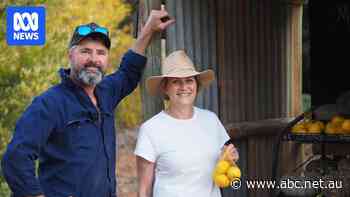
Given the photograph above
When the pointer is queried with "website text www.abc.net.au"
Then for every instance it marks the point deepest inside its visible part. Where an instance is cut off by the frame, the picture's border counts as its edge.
(287, 184)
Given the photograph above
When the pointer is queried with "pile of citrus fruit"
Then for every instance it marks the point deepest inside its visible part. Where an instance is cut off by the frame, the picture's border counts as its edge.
(225, 172)
(337, 125)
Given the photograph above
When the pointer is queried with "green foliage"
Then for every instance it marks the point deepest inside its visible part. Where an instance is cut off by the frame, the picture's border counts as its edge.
(129, 110)
(27, 71)
(4, 190)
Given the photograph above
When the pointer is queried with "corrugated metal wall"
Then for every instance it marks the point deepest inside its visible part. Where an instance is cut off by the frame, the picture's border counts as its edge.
(246, 43)
(257, 44)
(195, 32)
(252, 49)
(251, 45)
(150, 105)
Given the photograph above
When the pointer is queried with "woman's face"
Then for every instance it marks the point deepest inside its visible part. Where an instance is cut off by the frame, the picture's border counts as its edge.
(181, 91)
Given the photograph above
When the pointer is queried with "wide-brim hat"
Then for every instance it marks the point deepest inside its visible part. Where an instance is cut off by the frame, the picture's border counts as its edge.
(178, 64)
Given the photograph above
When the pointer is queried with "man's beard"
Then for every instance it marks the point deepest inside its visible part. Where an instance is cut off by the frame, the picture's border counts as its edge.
(89, 78)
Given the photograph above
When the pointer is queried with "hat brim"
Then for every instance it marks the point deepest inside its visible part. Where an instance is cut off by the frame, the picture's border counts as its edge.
(204, 78)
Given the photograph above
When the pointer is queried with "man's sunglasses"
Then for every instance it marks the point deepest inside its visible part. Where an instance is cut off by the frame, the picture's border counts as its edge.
(85, 30)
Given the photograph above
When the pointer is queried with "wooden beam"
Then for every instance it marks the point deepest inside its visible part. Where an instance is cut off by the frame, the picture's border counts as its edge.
(269, 127)
(296, 2)
(296, 60)
(151, 105)
(294, 153)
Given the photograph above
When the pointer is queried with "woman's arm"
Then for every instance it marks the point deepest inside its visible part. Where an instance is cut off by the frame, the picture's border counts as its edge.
(145, 171)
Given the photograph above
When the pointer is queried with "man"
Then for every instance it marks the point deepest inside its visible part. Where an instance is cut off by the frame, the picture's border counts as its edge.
(70, 127)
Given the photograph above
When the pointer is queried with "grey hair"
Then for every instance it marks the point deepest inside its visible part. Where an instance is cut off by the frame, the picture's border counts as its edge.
(71, 48)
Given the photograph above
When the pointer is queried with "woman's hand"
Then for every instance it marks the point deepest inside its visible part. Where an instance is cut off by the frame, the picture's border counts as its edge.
(230, 153)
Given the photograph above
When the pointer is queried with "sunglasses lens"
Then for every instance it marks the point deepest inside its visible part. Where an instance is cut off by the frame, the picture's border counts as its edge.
(84, 30)
(102, 30)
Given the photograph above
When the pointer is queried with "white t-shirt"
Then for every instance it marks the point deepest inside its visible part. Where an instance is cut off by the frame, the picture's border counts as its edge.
(185, 153)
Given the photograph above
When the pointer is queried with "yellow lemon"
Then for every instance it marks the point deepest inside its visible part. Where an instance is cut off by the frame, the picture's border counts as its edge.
(221, 180)
(331, 129)
(337, 120)
(314, 128)
(307, 124)
(346, 126)
(339, 130)
(299, 128)
(233, 172)
(321, 124)
(222, 167)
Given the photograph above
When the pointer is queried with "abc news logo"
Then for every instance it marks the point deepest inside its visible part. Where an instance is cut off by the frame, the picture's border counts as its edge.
(25, 25)
(32, 25)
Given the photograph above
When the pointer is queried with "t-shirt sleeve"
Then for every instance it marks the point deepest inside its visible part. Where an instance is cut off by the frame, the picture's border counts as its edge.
(144, 146)
(223, 135)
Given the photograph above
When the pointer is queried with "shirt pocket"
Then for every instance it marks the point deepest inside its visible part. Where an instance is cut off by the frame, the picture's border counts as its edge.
(83, 135)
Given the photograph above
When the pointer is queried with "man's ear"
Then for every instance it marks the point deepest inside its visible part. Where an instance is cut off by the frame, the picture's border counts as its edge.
(71, 51)
(70, 54)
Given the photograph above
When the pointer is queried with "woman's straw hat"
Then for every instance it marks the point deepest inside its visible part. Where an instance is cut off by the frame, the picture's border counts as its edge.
(178, 64)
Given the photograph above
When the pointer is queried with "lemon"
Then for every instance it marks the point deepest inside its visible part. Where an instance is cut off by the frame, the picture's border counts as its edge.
(331, 128)
(233, 172)
(299, 128)
(221, 180)
(321, 124)
(346, 126)
(222, 167)
(337, 120)
(314, 128)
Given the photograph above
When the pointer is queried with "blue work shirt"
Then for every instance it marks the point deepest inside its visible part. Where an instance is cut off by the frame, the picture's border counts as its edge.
(74, 141)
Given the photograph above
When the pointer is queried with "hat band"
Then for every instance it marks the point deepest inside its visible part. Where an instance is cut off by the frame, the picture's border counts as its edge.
(179, 70)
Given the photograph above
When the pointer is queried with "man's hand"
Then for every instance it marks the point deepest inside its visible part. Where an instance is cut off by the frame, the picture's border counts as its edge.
(157, 21)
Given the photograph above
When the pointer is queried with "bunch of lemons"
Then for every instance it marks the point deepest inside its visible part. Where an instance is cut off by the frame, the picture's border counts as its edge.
(308, 127)
(225, 172)
(337, 125)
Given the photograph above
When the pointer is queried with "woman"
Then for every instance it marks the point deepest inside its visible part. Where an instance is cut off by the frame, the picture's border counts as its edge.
(178, 148)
